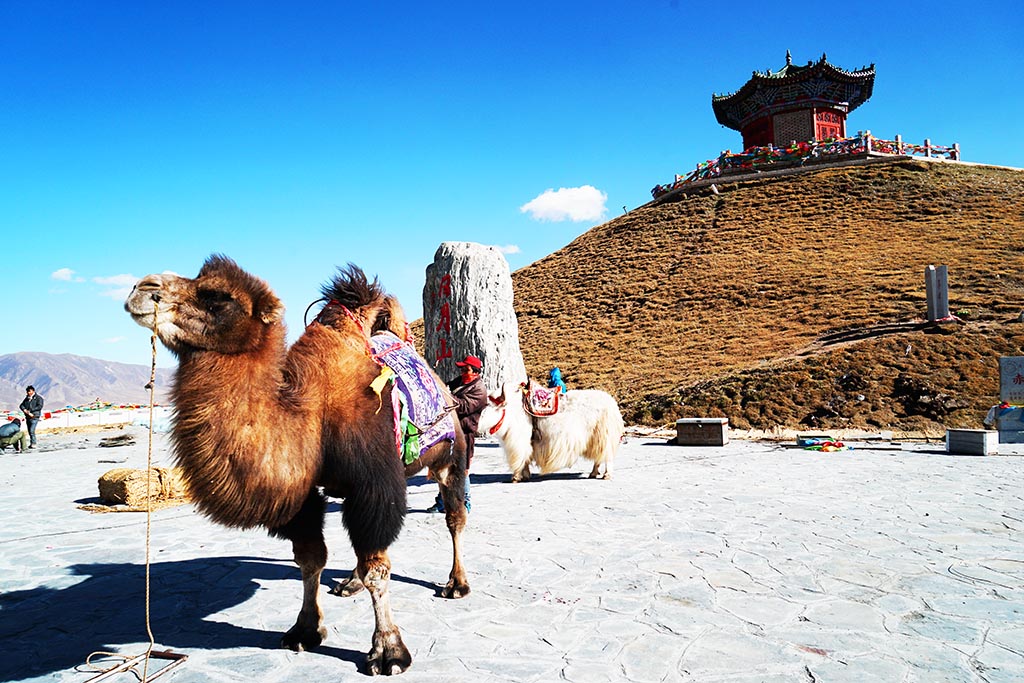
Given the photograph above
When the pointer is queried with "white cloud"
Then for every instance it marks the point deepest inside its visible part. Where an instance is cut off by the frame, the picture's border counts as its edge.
(584, 203)
(120, 285)
(123, 280)
(508, 248)
(66, 275)
(113, 340)
(118, 293)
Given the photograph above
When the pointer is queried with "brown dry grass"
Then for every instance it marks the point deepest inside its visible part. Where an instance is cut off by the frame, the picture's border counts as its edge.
(723, 304)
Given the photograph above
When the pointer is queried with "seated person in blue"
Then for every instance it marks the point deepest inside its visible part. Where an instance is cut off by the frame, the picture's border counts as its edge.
(11, 434)
(555, 380)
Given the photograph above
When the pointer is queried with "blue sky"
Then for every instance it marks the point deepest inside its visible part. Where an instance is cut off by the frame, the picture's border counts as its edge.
(142, 137)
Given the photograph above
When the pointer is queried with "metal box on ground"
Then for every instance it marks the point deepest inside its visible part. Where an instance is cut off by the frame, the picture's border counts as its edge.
(702, 431)
(972, 441)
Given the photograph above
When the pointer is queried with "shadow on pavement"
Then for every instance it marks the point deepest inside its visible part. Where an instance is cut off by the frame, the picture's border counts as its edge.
(47, 630)
(503, 478)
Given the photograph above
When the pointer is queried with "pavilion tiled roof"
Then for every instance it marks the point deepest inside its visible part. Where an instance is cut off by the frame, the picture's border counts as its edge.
(817, 83)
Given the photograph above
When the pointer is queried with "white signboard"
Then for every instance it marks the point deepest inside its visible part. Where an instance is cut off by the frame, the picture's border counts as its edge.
(1011, 380)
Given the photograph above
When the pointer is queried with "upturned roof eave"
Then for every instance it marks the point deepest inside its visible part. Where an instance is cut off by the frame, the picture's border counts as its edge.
(720, 104)
(791, 73)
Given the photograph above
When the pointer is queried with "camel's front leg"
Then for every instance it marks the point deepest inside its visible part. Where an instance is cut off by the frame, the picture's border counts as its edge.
(388, 655)
(308, 631)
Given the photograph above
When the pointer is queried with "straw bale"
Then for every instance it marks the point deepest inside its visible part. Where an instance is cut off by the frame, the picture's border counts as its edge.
(127, 486)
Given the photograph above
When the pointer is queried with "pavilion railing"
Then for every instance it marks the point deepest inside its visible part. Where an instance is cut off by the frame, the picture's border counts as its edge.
(799, 153)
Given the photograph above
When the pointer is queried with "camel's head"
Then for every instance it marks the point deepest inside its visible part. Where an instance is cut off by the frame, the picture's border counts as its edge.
(224, 309)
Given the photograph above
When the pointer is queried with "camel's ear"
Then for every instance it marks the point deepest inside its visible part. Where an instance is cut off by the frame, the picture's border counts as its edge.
(269, 309)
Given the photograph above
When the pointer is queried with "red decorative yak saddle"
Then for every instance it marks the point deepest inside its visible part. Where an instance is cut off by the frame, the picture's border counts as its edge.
(540, 402)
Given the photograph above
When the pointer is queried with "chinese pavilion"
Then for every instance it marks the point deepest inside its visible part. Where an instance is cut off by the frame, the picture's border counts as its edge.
(800, 103)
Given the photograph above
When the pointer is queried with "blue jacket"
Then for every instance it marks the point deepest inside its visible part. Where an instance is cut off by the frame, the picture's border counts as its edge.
(9, 429)
(555, 380)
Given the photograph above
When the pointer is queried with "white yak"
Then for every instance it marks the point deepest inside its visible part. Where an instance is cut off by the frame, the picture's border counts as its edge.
(588, 424)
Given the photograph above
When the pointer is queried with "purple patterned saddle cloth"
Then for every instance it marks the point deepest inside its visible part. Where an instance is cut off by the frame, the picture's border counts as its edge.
(425, 403)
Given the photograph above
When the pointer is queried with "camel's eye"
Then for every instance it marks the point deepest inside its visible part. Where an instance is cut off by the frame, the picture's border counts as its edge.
(214, 300)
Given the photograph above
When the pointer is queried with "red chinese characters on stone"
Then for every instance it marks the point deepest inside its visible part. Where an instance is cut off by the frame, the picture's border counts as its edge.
(446, 318)
(444, 351)
(444, 324)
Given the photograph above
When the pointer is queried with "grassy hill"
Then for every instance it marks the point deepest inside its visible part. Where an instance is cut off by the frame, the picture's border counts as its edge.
(793, 301)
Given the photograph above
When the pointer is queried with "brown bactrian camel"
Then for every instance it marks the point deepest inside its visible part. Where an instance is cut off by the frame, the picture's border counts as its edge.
(260, 428)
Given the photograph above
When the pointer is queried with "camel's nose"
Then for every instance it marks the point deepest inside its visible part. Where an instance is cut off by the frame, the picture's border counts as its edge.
(150, 283)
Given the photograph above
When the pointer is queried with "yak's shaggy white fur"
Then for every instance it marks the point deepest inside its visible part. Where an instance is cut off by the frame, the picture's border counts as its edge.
(588, 424)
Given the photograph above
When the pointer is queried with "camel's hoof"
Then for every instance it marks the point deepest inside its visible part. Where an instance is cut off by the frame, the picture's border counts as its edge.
(389, 656)
(347, 588)
(455, 590)
(299, 639)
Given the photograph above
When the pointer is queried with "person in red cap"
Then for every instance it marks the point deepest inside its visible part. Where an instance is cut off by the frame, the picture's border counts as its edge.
(470, 398)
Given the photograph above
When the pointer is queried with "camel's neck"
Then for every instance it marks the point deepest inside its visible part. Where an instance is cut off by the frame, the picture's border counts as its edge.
(243, 441)
(235, 385)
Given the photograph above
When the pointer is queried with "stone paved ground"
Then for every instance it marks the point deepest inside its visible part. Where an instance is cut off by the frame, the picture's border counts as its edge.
(753, 562)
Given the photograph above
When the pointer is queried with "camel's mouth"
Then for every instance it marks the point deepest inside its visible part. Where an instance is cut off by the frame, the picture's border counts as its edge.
(147, 304)
(149, 314)
(145, 320)
(142, 308)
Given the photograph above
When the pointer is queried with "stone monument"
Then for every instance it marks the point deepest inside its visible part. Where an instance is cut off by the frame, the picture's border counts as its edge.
(1010, 421)
(467, 310)
(936, 287)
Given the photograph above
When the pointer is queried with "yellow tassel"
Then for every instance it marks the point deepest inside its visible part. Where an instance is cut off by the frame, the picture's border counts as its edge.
(378, 385)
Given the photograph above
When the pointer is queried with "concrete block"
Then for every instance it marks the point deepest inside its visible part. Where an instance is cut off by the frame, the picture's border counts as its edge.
(972, 441)
(702, 431)
(1014, 436)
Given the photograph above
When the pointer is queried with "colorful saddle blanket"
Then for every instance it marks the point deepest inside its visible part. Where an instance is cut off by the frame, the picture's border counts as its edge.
(422, 416)
(541, 402)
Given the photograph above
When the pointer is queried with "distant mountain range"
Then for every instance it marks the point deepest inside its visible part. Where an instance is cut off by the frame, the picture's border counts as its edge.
(65, 379)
